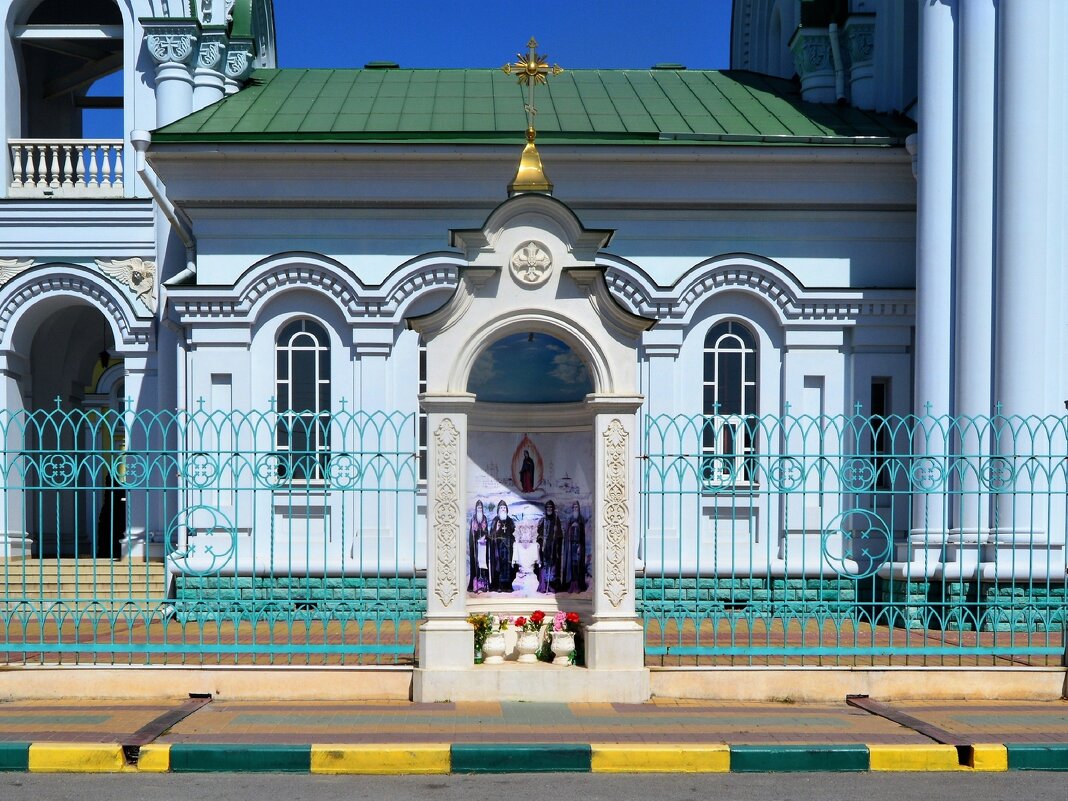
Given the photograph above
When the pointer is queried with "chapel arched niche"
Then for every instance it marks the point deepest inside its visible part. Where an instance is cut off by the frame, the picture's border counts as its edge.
(531, 472)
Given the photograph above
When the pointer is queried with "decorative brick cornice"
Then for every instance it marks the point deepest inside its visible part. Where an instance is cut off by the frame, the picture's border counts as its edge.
(771, 282)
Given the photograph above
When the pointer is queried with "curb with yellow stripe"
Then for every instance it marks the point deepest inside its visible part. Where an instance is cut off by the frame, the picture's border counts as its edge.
(526, 758)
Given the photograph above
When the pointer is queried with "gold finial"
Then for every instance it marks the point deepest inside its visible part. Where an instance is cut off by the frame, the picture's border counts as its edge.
(531, 70)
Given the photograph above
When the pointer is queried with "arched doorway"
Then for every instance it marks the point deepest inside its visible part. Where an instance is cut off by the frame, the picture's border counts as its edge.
(73, 391)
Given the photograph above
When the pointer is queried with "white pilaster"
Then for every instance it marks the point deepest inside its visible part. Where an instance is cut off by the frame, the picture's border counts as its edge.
(446, 640)
(615, 640)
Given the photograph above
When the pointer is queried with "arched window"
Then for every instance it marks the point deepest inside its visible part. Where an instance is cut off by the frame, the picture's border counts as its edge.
(730, 403)
(302, 376)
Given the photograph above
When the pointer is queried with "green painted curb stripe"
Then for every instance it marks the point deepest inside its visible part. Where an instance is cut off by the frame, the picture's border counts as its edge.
(520, 758)
(207, 758)
(15, 756)
(768, 758)
(1037, 756)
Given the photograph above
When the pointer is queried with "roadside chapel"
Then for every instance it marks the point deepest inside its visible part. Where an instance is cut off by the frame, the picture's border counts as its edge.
(532, 402)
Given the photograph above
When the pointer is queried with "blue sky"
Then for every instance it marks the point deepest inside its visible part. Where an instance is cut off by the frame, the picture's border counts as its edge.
(579, 34)
(576, 34)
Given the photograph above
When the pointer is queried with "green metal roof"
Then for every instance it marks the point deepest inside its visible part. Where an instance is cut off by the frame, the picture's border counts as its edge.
(483, 105)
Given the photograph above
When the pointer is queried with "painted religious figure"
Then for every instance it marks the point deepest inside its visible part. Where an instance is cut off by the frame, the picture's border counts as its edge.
(550, 540)
(572, 575)
(478, 551)
(502, 541)
(528, 471)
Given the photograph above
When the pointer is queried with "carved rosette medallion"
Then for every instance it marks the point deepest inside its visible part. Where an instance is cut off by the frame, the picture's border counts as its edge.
(616, 516)
(531, 264)
(137, 274)
(446, 510)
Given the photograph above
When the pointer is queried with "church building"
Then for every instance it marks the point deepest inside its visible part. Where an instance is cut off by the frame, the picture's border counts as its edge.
(701, 356)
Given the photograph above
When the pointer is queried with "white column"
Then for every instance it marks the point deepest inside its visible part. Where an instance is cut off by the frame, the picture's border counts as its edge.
(1022, 257)
(934, 249)
(209, 83)
(934, 253)
(975, 245)
(1022, 333)
(615, 639)
(172, 47)
(446, 639)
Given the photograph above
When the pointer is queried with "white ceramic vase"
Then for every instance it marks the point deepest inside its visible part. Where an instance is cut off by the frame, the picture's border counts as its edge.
(563, 645)
(493, 648)
(528, 646)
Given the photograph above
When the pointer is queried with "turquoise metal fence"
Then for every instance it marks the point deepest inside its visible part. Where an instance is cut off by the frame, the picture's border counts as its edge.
(198, 536)
(854, 539)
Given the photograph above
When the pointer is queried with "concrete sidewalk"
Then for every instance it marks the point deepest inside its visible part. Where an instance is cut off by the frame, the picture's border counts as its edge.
(401, 737)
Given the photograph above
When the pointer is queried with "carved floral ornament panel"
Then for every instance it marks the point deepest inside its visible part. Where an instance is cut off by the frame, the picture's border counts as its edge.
(531, 264)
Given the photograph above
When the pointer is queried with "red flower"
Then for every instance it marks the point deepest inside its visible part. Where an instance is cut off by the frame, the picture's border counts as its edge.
(520, 622)
(537, 617)
(572, 617)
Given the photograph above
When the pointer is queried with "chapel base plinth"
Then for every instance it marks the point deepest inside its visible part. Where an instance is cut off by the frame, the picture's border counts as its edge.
(539, 682)
(446, 644)
(613, 645)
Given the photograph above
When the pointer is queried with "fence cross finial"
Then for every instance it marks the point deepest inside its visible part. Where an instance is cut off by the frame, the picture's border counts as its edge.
(858, 407)
(200, 403)
(927, 407)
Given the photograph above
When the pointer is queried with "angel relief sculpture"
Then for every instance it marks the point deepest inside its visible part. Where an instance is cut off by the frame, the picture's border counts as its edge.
(138, 274)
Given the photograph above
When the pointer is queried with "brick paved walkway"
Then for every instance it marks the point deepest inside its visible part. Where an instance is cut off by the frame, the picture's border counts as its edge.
(492, 722)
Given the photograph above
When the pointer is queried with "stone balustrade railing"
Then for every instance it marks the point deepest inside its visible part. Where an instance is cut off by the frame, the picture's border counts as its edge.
(71, 168)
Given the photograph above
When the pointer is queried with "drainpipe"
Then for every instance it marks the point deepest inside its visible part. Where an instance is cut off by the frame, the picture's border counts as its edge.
(836, 56)
(140, 141)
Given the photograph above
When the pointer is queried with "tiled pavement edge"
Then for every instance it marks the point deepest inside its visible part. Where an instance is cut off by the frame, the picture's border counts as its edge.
(527, 758)
(491, 737)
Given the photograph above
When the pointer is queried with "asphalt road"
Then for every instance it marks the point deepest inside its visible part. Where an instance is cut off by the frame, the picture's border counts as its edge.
(588, 787)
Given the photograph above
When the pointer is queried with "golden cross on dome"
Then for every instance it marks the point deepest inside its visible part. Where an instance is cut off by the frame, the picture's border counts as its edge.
(531, 70)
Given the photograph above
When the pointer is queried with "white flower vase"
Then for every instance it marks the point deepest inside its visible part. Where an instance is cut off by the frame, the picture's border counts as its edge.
(528, 644)
(563, 645)
(493, 648)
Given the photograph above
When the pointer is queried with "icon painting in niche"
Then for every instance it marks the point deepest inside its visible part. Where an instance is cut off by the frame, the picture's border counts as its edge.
(529, 503)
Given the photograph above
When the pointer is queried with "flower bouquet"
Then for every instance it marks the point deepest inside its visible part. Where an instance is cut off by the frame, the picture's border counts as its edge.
(565, 628)
(529, 636)
(483, 626)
